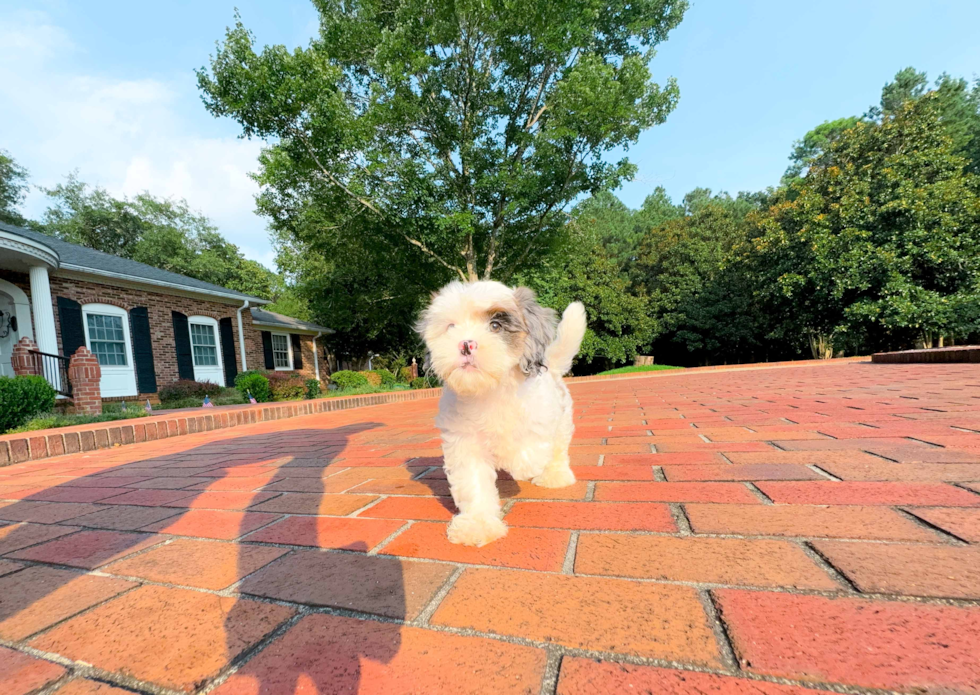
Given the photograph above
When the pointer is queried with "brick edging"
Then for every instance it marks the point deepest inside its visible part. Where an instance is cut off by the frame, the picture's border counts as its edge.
(39, 444)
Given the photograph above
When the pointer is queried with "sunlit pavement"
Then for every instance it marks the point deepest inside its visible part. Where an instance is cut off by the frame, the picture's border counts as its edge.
(762, 532)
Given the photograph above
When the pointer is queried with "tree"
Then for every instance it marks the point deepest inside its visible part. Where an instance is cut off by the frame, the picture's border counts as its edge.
(452, 133)
(814, 144)
(620, 326)
(700, 301)
(617, 228)
(163, 233)
(957, 106)
(882, 236)
(13, 188)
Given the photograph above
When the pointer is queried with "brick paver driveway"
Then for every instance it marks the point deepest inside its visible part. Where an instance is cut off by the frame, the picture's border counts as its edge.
(762, 531)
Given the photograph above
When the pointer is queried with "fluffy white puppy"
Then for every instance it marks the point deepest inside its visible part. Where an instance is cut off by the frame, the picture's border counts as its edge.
(504, 406)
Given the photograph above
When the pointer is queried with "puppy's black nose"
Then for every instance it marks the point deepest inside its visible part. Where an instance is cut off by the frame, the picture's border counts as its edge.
(467, 347)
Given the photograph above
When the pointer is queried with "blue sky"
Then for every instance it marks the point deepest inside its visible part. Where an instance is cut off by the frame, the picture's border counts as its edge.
(107, 87)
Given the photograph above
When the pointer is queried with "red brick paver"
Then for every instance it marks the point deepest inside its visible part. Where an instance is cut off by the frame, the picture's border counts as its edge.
(775, 531)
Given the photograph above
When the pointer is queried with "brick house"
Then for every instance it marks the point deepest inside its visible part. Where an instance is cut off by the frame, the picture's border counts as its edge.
(147, 326)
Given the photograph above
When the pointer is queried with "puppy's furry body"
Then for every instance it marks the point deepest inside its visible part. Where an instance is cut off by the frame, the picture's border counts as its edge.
(505, 405)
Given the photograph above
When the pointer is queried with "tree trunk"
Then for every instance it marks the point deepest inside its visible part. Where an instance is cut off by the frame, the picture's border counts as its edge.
(821, 346)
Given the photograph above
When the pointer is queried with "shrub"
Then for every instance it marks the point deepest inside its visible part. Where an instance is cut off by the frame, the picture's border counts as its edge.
(373, 378)
(405, 374)
(312, 388)
(22, 398)
(286, 386)
(188, 388)
(346, 379)
(425, 382)
(387, 378)
(256, 383)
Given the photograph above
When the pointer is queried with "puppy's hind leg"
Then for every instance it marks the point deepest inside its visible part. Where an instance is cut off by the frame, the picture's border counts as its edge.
(473, 484)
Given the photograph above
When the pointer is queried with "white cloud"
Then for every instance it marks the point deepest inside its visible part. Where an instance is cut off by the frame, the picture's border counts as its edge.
(127, 135)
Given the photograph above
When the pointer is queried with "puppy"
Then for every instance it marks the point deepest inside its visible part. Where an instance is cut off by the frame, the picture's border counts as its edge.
(504, 406)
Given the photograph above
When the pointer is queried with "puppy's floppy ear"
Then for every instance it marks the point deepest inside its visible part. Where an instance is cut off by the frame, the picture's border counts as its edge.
(539, 323)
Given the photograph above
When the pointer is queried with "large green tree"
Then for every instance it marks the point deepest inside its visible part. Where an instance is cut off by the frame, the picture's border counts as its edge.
(455, 134)
(700, 299)
(883, 235)
(619, 229)
(163, 233)
(13, 188)
(620, 326)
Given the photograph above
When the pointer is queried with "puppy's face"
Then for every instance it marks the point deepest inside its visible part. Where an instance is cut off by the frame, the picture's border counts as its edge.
(478, 333)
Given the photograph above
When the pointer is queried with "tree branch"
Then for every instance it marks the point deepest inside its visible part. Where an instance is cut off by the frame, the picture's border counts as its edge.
(367, 204)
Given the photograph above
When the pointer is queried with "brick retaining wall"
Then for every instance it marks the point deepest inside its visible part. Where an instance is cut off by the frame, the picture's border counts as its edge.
(965, 353)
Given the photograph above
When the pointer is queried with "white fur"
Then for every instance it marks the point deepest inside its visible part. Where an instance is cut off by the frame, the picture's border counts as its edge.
(493, 416)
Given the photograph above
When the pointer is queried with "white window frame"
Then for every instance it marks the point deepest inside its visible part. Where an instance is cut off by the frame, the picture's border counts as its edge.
(289, 351)
(213, 323)
(110, 310)
(111, 373)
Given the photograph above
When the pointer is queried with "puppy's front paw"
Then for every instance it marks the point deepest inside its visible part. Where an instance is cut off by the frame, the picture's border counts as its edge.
(555, 477)
(475, 530)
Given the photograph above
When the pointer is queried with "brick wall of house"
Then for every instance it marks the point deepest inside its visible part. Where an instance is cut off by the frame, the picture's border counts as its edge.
(159, 305)
(256, 356)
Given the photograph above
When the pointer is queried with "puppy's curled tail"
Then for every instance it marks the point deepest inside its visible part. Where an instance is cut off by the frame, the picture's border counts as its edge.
(571, 330)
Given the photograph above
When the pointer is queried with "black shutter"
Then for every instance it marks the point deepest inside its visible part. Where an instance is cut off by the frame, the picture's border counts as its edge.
(182, 341)
(297, 351)
(72, 331)
(228, 351)
(270, 363)
(146, 378)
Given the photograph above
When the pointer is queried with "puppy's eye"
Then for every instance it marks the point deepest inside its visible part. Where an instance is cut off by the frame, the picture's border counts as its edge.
(450, 326)
(495, 326)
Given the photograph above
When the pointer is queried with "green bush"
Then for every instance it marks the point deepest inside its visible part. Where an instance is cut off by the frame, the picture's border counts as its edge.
(256, 382)
(188, 388)
(286, 386)
(425, 382)
(405, 375)
(22, 398)
(312, 388)
(373, 378)
(387, 378)
(346, 379)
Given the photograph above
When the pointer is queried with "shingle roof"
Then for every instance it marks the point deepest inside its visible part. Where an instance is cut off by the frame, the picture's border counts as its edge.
(270, 318)
(86, 260)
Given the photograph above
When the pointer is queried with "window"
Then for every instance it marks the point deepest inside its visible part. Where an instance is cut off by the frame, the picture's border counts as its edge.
(107, 340)
(281, 353)
(203, 346)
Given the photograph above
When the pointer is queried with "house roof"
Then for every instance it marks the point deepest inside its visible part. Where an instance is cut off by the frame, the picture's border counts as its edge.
(261, 317)
(85, 260)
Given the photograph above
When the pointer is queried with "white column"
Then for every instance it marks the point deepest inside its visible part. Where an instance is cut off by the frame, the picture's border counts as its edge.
(44, 331)
(316, 359)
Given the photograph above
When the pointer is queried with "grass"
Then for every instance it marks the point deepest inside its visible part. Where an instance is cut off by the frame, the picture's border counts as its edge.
(111, 411)
(363, 390)
(227, 396)
(642, 368)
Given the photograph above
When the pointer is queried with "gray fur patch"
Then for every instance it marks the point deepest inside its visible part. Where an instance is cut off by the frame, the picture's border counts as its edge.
(539, 323)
